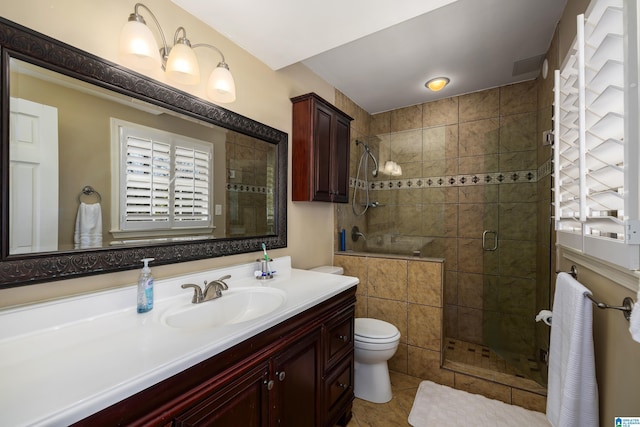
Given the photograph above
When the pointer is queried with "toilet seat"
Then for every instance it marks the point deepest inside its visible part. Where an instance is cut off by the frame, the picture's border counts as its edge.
(375, 331)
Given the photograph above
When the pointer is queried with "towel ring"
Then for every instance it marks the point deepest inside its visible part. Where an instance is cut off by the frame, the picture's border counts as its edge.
(88, 190)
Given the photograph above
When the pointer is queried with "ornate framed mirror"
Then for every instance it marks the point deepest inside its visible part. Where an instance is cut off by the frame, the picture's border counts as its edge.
(85, 113)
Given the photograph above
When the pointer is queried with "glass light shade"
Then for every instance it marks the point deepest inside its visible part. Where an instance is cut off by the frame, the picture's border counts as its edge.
(221, 86)
(437, 84)
(392, 168)
(182, 65)
(138, 47)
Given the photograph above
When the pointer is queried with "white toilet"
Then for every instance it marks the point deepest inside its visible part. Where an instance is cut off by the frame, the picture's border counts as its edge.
(375, 342)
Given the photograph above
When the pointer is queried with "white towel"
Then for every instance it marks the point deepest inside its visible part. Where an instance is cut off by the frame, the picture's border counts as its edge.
(572, 398)
(634, 321)
(88, 232)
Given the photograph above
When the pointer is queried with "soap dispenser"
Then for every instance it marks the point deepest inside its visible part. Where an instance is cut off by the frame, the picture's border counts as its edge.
(145, 288)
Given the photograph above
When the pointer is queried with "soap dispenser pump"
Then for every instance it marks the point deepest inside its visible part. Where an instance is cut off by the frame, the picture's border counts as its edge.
(145, 287)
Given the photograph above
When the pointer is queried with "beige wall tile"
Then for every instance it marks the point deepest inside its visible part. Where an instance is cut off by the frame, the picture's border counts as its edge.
(425, 283)
(405, 147)
(394, 312)
(486, 388)
(471, 290)
(434, 142)
(475, 218)
(354, 266)
(380, 123)
(479, 137)
(470, 250)
(452, 141)
(518, 258)
(479, 105)
(519, 98)
(479, 194)
(406, 118)
(528, 400)
(450, 322)
(425, 327)
(407, 220)
(518, 161)
(440, 112)
(479, 165)
(450, 286)
(518, 220)
(524, 192)
(470, 324)
(425, 364)
(518, 132)
(387, 278)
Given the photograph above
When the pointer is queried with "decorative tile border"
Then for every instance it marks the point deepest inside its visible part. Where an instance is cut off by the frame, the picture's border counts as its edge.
(246, 188)
(451, 180)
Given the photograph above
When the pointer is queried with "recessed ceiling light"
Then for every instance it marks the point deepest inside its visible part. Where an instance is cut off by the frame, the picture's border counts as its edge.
(437, 83)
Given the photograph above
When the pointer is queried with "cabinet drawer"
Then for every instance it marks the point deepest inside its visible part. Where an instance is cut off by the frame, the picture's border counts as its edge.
(338, 385)
(338, 337)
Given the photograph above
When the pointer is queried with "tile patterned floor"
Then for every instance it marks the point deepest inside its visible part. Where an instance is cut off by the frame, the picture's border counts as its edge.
(391, 414)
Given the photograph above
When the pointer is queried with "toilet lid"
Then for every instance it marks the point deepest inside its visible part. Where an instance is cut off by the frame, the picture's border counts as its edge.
(375, 329)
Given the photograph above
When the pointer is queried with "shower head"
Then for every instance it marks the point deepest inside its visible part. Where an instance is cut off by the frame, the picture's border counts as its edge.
(375, 162)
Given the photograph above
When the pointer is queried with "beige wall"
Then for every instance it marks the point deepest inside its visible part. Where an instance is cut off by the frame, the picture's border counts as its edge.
(263, 95)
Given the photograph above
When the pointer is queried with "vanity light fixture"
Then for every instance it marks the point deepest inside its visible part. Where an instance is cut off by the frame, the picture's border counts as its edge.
(437, 83)
(139, 49)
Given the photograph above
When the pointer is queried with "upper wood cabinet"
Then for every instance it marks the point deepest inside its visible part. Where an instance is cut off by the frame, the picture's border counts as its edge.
(321, 139)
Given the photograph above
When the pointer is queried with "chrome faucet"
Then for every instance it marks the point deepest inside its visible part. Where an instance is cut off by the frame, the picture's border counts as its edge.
(212, 290)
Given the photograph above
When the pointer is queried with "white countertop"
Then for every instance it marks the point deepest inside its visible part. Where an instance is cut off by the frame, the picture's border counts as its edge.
(64, 360)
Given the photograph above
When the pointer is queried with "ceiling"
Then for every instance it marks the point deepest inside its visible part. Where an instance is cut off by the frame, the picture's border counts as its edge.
(380, 55)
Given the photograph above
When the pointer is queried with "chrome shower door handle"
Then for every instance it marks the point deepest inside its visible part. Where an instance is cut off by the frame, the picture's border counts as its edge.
(484, 240)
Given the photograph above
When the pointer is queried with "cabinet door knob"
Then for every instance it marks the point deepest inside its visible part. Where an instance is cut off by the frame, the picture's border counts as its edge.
(280, 375)
(269, 384)
(343, 338)
(342, 385)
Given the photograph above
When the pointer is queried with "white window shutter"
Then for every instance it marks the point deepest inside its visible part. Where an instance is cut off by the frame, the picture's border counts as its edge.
(592, 161)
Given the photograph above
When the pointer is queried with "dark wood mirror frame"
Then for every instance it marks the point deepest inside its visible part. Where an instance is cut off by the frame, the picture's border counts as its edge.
(25, 44)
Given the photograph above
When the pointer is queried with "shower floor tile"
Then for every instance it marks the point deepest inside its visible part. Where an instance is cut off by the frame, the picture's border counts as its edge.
(481, 361)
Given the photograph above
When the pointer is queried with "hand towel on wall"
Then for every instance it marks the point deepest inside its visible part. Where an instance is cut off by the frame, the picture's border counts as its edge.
(572, 399)
(88, 232)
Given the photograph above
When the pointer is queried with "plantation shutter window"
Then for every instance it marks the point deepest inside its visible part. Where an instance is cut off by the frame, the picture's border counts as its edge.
(595, 135)
(165, 180)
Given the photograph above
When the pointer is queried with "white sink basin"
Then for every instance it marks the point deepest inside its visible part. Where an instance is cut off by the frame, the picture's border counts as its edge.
(234, 306)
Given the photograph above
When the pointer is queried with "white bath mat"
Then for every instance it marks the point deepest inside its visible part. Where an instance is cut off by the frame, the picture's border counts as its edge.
(439, 405)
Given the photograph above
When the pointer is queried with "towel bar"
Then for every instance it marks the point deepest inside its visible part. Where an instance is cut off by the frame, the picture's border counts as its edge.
(627, 302)
(626, 308)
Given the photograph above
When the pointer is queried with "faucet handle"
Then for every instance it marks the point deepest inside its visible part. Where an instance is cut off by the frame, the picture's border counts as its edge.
(197, 292)
(222, 283)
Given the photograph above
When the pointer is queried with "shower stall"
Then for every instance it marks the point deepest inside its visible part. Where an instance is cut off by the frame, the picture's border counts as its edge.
(474, 190)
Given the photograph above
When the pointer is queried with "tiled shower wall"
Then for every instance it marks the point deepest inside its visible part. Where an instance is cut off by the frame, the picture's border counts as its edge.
(408, 294)
(470, 164)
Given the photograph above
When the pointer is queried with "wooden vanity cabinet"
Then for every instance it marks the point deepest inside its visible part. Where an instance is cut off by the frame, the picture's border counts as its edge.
(298, 373)
(320, 153)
